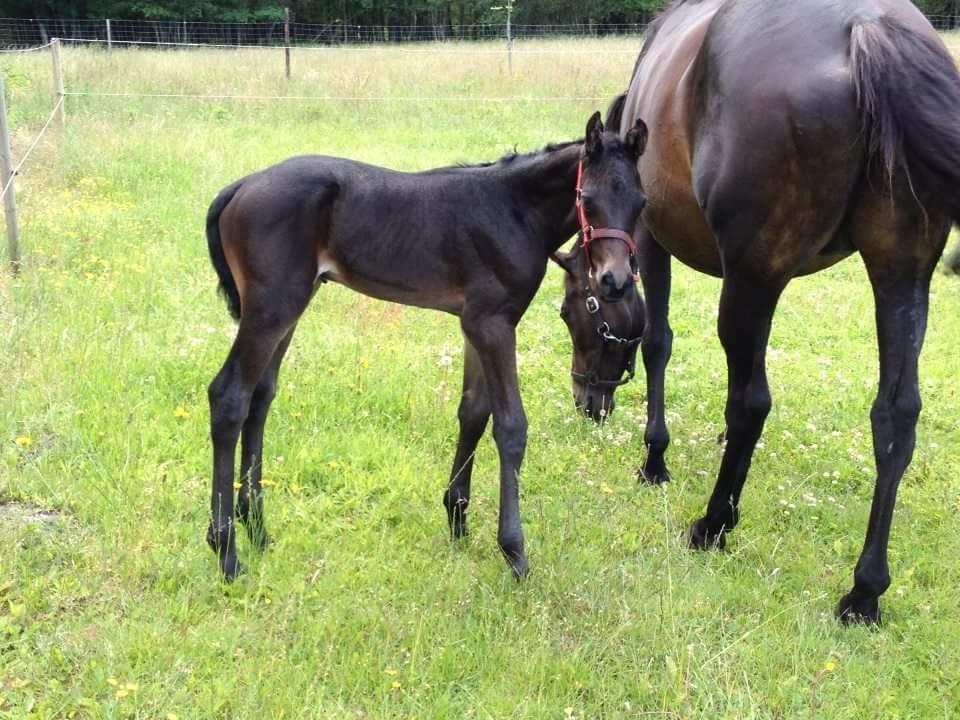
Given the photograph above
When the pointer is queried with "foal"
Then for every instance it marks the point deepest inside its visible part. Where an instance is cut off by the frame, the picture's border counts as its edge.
(471, 241)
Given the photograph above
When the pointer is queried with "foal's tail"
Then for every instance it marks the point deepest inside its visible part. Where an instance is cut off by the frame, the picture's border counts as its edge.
(908, 88)
(227, 285)
(615, 113)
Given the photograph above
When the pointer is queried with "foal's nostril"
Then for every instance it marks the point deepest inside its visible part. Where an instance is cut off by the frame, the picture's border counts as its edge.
(608, 282)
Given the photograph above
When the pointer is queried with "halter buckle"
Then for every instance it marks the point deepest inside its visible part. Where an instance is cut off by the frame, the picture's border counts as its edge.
(593, 305)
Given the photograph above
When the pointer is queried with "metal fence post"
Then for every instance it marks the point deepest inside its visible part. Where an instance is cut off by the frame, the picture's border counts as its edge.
(286, 38)
(58, 80)
(109, 36)
(6, 169)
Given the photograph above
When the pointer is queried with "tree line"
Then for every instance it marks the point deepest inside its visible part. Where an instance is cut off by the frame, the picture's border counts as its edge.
(409, 13)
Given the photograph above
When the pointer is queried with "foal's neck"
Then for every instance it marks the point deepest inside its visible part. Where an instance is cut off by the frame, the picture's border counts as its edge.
(547, 185)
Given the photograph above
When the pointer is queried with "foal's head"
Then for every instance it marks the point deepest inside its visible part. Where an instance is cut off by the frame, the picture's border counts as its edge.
(609, 201)
(605, 336)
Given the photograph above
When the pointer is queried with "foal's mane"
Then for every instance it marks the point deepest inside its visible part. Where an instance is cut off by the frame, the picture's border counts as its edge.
(512, 158)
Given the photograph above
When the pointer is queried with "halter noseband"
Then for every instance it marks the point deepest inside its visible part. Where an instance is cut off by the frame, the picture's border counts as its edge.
(588, 233)
(592, 376)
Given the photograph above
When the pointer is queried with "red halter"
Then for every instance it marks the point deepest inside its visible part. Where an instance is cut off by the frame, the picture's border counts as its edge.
(588, 233)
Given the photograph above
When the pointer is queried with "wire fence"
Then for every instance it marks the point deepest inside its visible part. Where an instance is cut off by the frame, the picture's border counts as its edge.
(19, 32)
(23, 160)
(24, 32)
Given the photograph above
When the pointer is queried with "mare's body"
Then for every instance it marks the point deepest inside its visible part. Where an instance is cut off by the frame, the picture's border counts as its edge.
(785, 136)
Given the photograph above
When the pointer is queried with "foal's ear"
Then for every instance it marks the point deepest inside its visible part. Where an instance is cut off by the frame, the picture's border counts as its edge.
(636, 139)
(594, 137)
(565, 260)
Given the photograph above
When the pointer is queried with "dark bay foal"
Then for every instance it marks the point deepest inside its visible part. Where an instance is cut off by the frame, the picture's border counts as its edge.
(471, 241)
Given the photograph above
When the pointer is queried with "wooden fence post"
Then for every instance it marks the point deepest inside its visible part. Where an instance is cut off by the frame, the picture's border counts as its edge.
(58, 80)
(286, 38)
(6, 169)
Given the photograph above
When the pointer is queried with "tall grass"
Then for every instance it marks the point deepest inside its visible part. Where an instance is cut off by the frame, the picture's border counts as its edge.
(363, 608)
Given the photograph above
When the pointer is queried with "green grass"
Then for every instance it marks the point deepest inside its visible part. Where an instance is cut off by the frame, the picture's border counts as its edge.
(363, 608)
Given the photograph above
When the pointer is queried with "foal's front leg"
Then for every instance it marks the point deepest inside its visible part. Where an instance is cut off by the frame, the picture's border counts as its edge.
(495, 341)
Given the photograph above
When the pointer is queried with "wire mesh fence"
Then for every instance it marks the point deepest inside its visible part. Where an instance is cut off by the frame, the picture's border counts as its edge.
(17, 32)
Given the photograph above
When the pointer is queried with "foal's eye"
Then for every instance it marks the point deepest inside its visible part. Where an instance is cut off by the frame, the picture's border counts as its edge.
(588, 204)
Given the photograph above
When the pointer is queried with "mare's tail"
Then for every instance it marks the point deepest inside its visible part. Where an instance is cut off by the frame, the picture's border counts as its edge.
(908, 89)
(227, 285)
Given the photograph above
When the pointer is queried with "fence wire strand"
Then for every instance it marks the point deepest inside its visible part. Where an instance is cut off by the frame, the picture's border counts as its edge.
(347, 98)
(26, 50)
(467, 48)
(26, 155)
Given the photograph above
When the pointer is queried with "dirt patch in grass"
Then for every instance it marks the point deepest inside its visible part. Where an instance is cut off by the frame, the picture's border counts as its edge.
(19, 514)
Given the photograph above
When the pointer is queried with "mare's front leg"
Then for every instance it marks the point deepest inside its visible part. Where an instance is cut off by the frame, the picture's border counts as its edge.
(473, 414)
(656, 348)
(746, 313)
(494, 338)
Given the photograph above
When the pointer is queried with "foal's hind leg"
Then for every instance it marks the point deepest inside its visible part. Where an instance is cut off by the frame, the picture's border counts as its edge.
(268, 317)
(473, 413)
(900, 260)
(250, 497)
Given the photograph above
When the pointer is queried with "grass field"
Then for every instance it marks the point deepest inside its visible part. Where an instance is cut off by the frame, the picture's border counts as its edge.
(363, 608)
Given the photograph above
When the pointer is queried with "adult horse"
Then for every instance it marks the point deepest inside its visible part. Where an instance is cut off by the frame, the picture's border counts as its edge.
(472, 241)
(785, 136)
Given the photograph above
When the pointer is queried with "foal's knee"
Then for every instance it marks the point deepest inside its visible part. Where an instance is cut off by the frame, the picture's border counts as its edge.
(474, 410)
(510, 434)
(750, 410)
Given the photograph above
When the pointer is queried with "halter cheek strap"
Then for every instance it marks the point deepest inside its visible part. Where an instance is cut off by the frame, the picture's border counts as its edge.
(588, 233)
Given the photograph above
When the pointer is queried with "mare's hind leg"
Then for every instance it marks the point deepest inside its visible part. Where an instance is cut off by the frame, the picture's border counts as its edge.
(746, 313)
(656, 347)
(250, 497)
(900, 257)
(268, 316)
(495, 341)
(473, 413)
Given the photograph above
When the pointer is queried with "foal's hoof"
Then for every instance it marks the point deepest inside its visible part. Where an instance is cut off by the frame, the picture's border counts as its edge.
(456, 517)
(516, 559)
(222, 543)
(654, 475)
(858, 611)
(701, 537)
(519, 567)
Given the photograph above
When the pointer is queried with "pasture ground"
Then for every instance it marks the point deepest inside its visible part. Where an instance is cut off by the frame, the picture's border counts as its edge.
(364, 608)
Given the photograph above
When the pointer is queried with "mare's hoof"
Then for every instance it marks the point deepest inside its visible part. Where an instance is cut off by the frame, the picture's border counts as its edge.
(852, 610)
(700, 537)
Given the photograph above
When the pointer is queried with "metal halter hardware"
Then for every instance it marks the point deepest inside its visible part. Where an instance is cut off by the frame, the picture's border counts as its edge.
(588, 233)
(592, 376)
